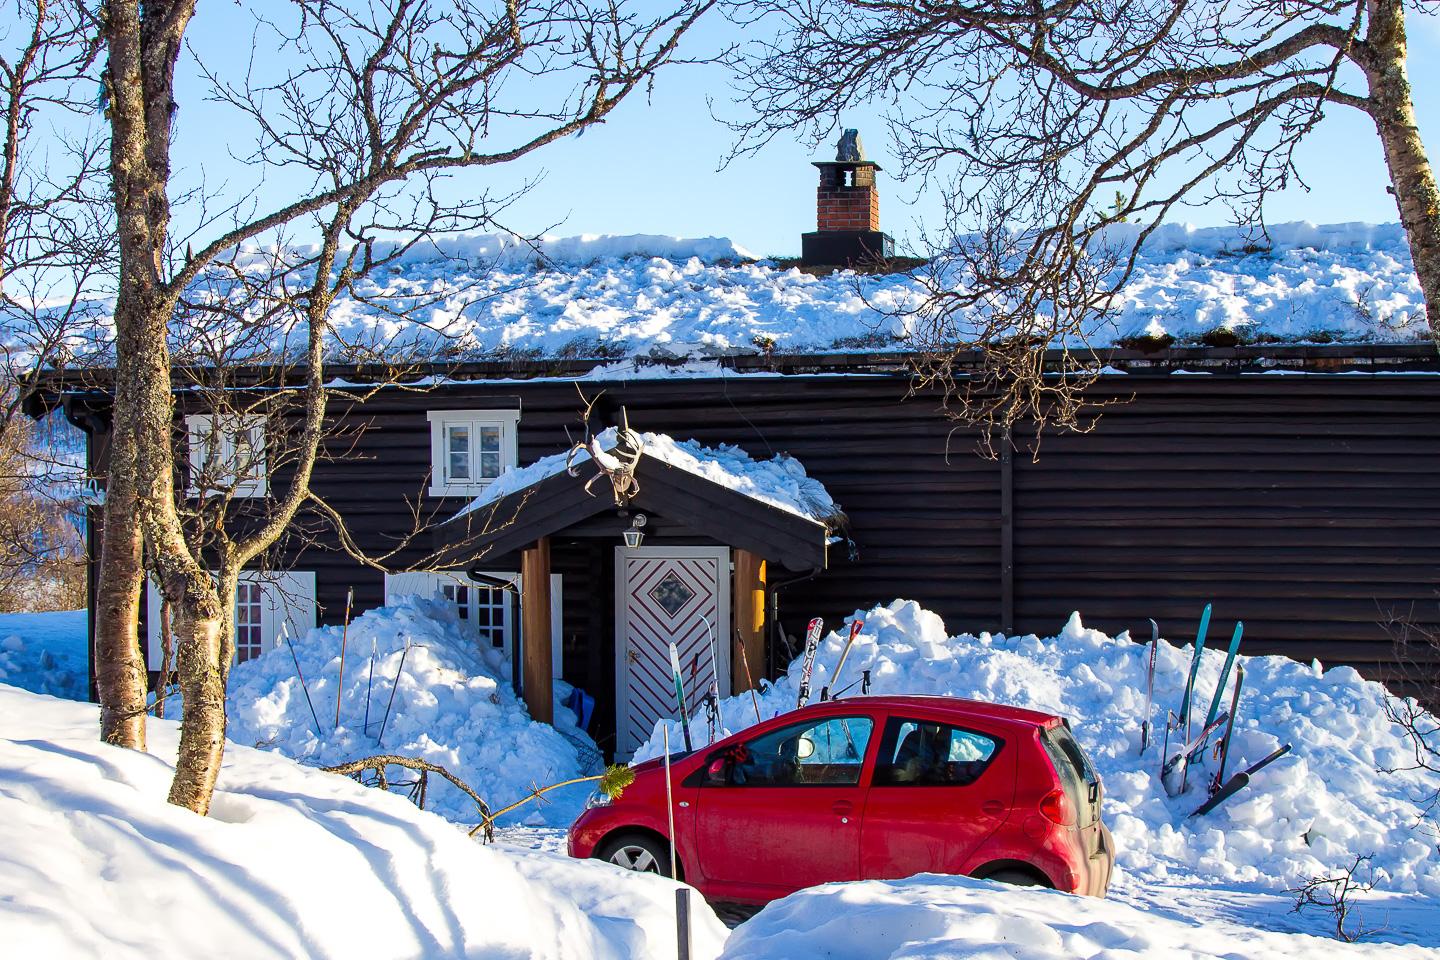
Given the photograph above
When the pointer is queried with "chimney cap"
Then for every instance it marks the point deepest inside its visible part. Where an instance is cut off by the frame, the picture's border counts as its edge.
(849, 149)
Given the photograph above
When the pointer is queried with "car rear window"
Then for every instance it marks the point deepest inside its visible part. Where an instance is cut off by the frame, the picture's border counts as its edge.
(922, 753)
(1077, 776)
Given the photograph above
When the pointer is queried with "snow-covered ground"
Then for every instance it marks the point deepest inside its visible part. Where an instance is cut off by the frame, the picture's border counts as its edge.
(291, 863)
(453, 706)
(1184, 887)
(1305, 816)
(618, 297)
(46, 653)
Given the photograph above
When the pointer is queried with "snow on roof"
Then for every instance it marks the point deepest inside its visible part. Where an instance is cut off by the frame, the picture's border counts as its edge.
(780, 481)
(497, 297)
(664, 297)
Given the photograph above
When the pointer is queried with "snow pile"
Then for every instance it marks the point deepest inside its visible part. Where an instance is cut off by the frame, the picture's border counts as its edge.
(453, 706)
(291, 863)
(932, 917)
(46, 653)
(1303, 816)
(780, 481)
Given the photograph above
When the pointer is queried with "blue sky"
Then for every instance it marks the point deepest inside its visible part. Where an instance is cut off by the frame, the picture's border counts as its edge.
(652, 168)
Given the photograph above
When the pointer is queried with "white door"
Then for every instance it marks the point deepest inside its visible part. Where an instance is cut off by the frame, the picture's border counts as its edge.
(665, 594)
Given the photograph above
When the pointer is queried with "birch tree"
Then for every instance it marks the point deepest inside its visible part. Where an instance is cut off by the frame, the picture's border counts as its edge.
(381, 103)
(1045, 124)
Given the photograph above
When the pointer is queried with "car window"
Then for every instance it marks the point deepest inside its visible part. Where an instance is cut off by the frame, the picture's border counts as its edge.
(922, 753)
(1074, 770)
(829, 752)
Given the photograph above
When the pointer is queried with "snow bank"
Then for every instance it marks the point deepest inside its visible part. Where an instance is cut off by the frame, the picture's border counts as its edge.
(46, 653)
(453, 706)
(291, 863)
(780, 481)
(932, 917)
(1303, 816)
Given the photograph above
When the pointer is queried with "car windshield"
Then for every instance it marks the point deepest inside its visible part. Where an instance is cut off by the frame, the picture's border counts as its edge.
(829, 752)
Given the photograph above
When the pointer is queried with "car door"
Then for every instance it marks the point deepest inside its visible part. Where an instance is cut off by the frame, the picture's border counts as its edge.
(787, 814)
(937, 791)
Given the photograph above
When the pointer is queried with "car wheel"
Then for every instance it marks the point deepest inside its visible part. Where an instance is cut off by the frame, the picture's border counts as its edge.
(638, 852)
(1016, 878)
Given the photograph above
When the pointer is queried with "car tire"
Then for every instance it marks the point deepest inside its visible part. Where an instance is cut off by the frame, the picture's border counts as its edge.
(636, 851)
(1016, 878)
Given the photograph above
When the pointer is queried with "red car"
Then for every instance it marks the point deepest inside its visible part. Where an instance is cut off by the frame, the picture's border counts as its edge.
(867, 788)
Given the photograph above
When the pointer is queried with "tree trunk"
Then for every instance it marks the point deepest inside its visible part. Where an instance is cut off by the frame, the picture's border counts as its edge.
(202, 667)
(119, 664)
(1411, 175)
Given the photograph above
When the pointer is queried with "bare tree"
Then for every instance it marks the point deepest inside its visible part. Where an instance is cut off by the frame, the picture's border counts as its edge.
(383, 102)
(1047, 125)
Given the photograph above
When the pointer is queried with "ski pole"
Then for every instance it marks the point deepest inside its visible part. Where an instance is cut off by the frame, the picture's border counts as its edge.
(856, 626)
(344, 636)
(1229, 730)
(393, 687)
(370, 685)
(285, 632)
(712, 712)
(749, 677)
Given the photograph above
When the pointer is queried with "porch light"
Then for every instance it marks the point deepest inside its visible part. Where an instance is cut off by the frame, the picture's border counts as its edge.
(634, 536)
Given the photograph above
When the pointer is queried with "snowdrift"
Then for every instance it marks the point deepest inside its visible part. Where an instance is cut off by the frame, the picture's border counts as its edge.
(291, 863)
(1301, 817)
(453, 706)
(46, 653)
(932, 917)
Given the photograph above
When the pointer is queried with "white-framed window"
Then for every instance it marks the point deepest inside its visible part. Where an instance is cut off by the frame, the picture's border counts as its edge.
(266, 604)
(490, 611)
(470, 448)
(227, 454)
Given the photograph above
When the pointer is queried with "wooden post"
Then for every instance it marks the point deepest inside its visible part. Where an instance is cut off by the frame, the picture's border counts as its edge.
(535, 616)
(749, 594)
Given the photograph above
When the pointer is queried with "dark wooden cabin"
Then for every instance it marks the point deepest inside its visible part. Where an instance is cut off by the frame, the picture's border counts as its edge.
(1300, 504)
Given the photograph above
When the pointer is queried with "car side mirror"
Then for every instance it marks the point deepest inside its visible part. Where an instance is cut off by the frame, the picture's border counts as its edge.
(718, 771)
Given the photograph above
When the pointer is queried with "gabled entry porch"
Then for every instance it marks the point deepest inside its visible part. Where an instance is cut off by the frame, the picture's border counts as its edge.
(672, 553)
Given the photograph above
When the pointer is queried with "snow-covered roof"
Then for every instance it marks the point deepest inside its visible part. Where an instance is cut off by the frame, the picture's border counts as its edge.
(780, 482)
(616, 297)
(625, 298)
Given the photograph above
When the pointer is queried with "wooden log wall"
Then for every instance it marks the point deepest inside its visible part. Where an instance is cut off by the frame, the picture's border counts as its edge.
(1301, 504)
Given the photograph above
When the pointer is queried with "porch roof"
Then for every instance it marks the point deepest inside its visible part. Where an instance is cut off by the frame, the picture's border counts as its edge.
(547, 502)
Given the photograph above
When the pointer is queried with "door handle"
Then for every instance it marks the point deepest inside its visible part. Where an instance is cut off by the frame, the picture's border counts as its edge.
(842, 806)
(993, 807)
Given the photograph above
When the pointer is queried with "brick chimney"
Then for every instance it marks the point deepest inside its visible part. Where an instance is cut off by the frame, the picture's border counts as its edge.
(847, 211)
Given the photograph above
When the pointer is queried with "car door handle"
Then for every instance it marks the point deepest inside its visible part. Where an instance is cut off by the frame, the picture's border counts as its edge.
(842, 806)
(993, 807)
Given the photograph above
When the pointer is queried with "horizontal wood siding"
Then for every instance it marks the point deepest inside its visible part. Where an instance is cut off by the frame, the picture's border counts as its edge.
(1303, 505)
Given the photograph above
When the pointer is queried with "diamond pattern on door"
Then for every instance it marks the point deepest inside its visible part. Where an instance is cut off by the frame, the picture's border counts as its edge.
(665, 599)
(671, 594)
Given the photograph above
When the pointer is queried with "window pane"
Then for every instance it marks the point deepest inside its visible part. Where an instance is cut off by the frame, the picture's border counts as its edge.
(918, 753)
(489, 465)
(828, 753)
(457, 446)
(489, 439)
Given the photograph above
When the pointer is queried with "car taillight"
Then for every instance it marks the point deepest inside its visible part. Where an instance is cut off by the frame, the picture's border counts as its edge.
(1056, 808)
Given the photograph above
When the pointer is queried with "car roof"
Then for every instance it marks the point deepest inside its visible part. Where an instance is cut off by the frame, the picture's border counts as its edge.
(954, 707)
